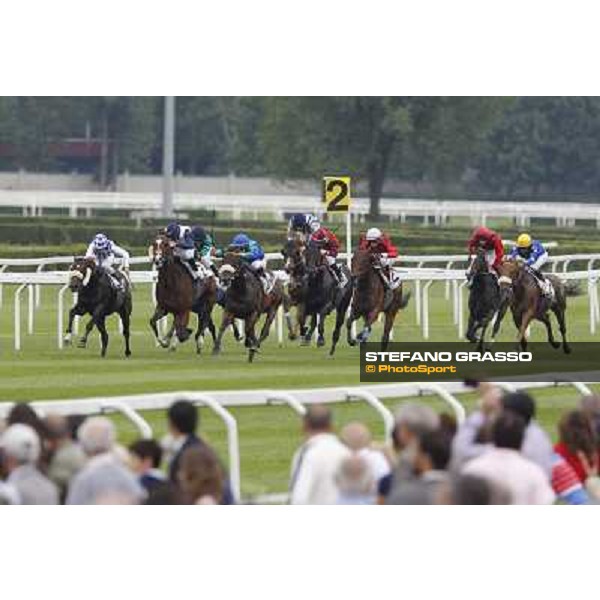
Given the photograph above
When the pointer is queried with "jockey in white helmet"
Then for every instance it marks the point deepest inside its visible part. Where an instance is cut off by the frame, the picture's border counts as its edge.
(380, 246)
(104, 251)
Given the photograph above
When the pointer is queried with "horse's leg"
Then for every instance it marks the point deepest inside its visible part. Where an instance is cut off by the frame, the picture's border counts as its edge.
(125, 319)
(301, 317)
(181, 326)
(370, 318)
(311, 329)
(100, 322)
(499, 317)
(559, 311)
(82, 343)
(525, 321)
(472, 327)
(340, 315)
(227, 320)
(159, 313)
(321, 329)
(75, 311)
(390, 317)
(353, 316)
(252, 343)
(545, 319)
(270, 316)
(199, 336)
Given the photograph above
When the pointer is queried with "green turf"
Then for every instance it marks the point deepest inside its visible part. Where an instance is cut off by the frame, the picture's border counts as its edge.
(269, 434)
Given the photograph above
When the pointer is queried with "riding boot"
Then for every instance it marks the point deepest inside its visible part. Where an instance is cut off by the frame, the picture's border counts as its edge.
(190, 265)
(214, 269)
(262, 277)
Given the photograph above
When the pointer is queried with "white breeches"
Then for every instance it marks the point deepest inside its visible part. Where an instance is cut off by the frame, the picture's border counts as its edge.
(386, 261)
(540, 262)
(330, 259)
(107, 263)
(206, 261)
(183, 253)
(255, 265)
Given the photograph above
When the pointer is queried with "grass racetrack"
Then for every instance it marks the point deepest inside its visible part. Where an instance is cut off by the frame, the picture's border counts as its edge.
(269, 434)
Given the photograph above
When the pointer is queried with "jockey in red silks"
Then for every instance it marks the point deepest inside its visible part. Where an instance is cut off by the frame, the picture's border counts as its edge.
(330, 248)
(491, 242)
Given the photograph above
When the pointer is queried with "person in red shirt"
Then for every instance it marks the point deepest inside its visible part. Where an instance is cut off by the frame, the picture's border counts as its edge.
(491, 242)
(380, 245)
(330, 247)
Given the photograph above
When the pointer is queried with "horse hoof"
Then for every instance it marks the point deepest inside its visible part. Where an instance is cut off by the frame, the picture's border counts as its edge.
(352, 342)
(82, 343)
(320, 342)
(172, 348)
(555, 344)
(567, 349)
(163, 344)
(216, 352)
(67, 340)
(292, 337)
(127, 353)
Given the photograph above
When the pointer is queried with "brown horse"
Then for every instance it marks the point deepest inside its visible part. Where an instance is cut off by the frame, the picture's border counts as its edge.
(246, 299)
(368, 300)
(295, 266)
(175, 293)
(527, 303)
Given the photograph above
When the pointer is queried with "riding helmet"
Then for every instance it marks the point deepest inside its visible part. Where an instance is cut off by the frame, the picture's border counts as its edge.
(198, 234)
(101, 242)
(524, 240)
(373, 234)
(298, 221)
(241, 240)
(173, 230)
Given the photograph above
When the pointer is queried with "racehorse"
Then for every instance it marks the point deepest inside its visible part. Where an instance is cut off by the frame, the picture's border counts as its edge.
(246, 299)
(295, 266)
(528, 303)
(98, 297)
(175, 290)
(369, 299)
(322, 294)
(485, 300)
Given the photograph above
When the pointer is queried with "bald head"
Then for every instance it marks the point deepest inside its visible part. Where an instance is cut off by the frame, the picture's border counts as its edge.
(317, 419)
(356, 436)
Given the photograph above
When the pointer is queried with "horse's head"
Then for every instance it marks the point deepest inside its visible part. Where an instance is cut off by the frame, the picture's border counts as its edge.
(230, 269)
(294, 254)
(361, 263)
(80, 273)
(160, 250)
(508, 272)
(313, 255)
(480, 264)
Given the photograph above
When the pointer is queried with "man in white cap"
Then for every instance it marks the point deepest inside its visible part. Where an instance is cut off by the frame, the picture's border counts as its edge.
(21, 448)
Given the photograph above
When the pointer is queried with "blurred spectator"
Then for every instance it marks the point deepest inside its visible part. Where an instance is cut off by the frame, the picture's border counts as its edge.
(566, 484)
(8, 494)
(165, 493)
(316, 462)
(578, 443)
(201, 476)
(354, 479)
(21, 448)
(412, 421)
(429, 467)
(358, 438)
(468, 442)
(182, 421)
(66, 458)
(104, 479)
(467, 490)
(506, 469)
(145, 457)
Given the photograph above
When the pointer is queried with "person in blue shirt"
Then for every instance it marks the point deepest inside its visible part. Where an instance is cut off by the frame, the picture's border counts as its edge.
(185, 248)
(533, 253)
(252, 254)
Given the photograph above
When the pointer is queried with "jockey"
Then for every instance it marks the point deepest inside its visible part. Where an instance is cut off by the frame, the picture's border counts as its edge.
(103, 251)
(205, 247)
(253, 255)
(330, 248)
(491, 242)
(301, 223)
(185, 249)
(533, 253)
(380, 245)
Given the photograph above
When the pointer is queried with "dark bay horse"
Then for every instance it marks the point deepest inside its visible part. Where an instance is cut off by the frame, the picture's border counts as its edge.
(175, 293)
(322, 295)
(98, 297)
(485, 299)
(246, 299)
(295, 266)
(527, 303)
(368, 300)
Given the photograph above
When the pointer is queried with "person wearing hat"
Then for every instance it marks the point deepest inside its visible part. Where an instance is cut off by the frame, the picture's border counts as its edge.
(21, 448)
(535, 256)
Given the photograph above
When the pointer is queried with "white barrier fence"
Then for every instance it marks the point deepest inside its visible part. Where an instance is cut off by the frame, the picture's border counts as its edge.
(423, 279)
(218, 402)
(435, 211)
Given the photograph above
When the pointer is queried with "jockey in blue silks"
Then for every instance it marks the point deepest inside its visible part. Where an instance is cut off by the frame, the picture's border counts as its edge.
(252, 254)
(301, 223)
(534, 255)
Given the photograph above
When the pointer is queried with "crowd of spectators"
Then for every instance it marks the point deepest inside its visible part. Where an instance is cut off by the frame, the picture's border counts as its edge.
(499, 455)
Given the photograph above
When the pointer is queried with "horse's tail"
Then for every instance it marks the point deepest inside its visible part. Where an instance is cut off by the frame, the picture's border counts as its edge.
(572, 288)
(405, 298)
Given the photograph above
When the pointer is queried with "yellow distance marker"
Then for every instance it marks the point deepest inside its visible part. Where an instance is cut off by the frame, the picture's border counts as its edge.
(336, 194)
